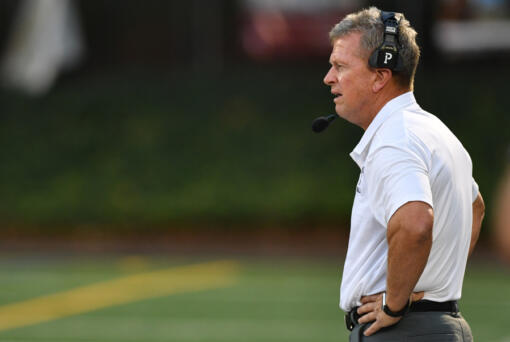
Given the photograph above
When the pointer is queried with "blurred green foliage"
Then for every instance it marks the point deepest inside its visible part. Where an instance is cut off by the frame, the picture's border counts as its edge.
(158, 148)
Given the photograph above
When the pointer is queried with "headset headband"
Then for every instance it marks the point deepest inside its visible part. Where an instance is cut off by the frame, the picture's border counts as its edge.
(387, 55)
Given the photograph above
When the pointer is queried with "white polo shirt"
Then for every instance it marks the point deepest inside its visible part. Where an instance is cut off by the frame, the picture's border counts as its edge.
(407, 154)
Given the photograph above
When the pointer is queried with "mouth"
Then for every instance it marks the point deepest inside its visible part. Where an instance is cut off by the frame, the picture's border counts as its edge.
(336, 95)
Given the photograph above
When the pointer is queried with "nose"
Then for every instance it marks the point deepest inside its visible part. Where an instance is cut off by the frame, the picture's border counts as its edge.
(329, 78)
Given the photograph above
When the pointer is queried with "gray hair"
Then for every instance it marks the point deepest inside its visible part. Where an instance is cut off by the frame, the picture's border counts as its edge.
(369, 23)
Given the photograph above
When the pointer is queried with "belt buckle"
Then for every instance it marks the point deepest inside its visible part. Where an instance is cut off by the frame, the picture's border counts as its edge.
(351, 319)
(348, 321)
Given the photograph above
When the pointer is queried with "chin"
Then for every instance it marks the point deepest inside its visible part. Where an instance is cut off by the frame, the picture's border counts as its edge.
(345, 116)
(340, 112)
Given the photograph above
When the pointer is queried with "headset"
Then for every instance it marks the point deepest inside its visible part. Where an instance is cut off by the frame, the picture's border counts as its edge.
(387, 55)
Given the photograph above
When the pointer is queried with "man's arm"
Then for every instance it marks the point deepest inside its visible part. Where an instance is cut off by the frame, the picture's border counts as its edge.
(478, 214)
(409, 242)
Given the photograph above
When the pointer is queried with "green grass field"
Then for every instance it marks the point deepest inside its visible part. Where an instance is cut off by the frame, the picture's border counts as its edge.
(264, 299)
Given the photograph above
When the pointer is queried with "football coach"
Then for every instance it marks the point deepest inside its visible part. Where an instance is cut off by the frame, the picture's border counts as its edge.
(417, 211)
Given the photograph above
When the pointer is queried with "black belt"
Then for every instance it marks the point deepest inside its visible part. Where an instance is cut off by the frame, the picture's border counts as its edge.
(351, 318)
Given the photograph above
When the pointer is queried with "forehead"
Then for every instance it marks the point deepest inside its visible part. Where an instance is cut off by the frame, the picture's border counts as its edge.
(347, 47)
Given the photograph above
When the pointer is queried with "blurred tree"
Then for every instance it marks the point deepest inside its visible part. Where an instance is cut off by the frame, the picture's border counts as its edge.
(422, 14)
(195, 34)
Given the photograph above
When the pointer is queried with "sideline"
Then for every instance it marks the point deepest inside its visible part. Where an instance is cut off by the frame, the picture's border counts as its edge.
(119, 291)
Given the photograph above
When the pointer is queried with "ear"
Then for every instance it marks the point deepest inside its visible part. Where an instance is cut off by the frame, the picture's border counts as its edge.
(382, 77)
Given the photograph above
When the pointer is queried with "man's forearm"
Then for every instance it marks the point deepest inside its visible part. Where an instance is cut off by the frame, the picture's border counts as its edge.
(409, 243)
(478, 214)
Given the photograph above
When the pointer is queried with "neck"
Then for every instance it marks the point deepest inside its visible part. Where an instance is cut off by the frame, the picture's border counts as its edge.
(380, 100)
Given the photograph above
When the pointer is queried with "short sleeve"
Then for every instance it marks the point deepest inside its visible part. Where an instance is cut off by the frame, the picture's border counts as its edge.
(475, 190)
(395, 175)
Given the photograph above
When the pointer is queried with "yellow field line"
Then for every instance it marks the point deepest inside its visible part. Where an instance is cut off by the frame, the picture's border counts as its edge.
(118, 291)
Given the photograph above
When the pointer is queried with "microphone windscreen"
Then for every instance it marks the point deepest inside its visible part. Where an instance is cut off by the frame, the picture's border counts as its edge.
(320, 124)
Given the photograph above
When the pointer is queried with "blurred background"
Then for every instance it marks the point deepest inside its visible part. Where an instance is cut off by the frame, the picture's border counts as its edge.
(136, 135)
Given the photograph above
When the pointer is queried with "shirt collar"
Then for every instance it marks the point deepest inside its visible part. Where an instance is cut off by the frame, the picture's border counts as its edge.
(399, 102)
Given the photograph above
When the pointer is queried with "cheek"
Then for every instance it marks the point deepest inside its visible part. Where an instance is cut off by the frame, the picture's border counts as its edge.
(359, 88)
(349, 86)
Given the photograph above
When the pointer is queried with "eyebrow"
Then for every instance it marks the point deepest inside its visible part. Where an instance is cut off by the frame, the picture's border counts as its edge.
(337, 61)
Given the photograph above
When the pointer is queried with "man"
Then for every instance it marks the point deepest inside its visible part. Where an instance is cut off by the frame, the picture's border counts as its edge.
(417, 211)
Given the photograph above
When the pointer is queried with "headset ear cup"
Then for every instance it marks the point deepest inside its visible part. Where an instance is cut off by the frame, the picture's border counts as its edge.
(381, 58)
(400, 63)
(372, 61)
(387, 55)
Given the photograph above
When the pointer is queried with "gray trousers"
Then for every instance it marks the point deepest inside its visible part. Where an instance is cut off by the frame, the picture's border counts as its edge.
(419, 327)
